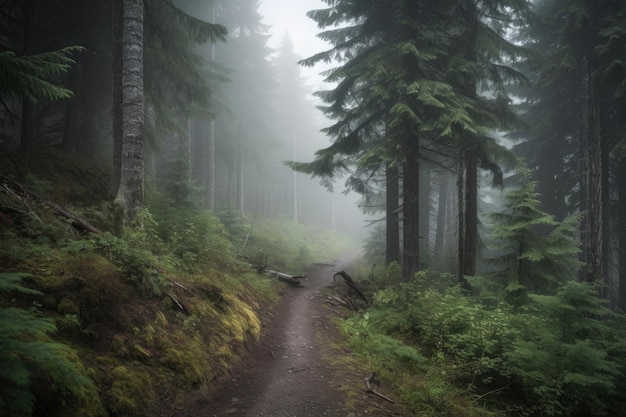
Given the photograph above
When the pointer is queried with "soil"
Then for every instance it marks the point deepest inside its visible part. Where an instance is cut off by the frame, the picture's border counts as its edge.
(300, 368)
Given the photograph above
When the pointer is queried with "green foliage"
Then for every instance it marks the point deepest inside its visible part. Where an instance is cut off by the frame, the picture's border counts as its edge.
(536, 253)
(33, 367)
(28, 76)
(558, 355)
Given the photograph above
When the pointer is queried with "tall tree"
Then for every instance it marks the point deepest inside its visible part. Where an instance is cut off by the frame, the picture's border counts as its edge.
(130, 191)
(416, 66)
(480, 55)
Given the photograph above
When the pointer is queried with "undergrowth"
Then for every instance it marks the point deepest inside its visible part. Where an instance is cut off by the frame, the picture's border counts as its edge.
(122, 324)
(447, 353)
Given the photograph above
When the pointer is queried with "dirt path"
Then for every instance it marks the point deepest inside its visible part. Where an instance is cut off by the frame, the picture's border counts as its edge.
(287, 374)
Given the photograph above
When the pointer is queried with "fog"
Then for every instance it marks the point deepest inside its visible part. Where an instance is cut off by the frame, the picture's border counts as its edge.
(288, 22)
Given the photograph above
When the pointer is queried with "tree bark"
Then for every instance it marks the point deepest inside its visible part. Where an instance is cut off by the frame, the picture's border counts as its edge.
(27, 135)
(410, 210)
(441, 218)
(130, 191)
(594, 237)
(621, 234)
(117, 13)
(393, 227)
(468, 214)
(424, 216)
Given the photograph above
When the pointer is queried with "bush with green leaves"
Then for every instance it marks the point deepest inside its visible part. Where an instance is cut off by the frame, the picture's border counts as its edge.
(33, 368)
(558, 355)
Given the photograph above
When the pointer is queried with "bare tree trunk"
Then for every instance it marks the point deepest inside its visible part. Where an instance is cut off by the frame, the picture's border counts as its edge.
(468, 214)
(130, 191)
(441, 218)
(621, 233)
(393, 226)
(116, 92)
(240, 177)
(424, 213)
(27, 135)
(410, 210)
(210, 172)
(594, 240)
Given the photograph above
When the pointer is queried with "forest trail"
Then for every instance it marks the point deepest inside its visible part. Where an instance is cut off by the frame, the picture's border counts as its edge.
(287, 374)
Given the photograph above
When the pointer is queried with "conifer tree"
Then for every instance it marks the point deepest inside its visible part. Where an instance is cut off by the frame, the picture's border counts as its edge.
(530, 261)
(29, 76)
(573, 109)
(415, 67)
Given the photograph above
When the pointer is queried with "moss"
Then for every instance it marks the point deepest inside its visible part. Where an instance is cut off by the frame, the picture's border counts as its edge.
(160, 321)
(68, 306)
(189, 360)
(131, 392)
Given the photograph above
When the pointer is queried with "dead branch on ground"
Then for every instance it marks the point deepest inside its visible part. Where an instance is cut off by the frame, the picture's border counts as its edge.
(350, 282)
(373, 379)
(14, 188)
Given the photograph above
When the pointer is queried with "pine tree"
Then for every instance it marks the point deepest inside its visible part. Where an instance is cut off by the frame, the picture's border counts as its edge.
(412, 69)
(536, 253)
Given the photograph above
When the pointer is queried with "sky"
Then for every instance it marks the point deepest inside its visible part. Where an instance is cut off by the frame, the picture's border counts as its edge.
(288, 17)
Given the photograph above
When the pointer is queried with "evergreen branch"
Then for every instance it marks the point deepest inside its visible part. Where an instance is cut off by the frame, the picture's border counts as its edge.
(199, 30)
(25, 76)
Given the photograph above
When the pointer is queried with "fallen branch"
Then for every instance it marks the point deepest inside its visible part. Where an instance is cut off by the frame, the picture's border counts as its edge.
(373, 379)
(78, 222)
(350, 282)
(178, 303)
(291, 279)
(179, 285)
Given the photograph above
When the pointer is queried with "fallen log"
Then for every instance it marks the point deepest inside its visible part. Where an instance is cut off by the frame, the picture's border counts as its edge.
(291, 279)
(13, 187)
(350, 282)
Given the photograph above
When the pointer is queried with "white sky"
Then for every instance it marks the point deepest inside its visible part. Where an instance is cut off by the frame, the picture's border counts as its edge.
(289, 17)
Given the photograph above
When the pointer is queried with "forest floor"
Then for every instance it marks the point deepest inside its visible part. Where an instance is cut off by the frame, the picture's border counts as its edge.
(300, 367)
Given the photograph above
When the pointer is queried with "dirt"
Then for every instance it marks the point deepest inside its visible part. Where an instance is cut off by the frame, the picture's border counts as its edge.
(300, 367)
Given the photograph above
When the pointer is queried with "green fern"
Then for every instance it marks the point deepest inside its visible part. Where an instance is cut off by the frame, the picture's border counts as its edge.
(27, 354)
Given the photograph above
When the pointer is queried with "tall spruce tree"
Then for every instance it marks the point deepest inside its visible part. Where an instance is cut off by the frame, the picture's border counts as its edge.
(573, 110)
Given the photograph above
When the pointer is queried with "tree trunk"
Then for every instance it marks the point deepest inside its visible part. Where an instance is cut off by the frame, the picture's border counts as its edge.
(240, 172)
(130, 191)
(410, 210)
(27, 135)
(210, 171)
(441, 219)
(468, 164)
(393, 227)
(117, 12)
(424, 213)
(594, 236)
(468, 214)
(621, 234)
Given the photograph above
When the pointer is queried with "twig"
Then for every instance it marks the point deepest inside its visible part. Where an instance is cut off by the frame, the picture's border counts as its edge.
(179, 285)
(372, 378)
(178, 303)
